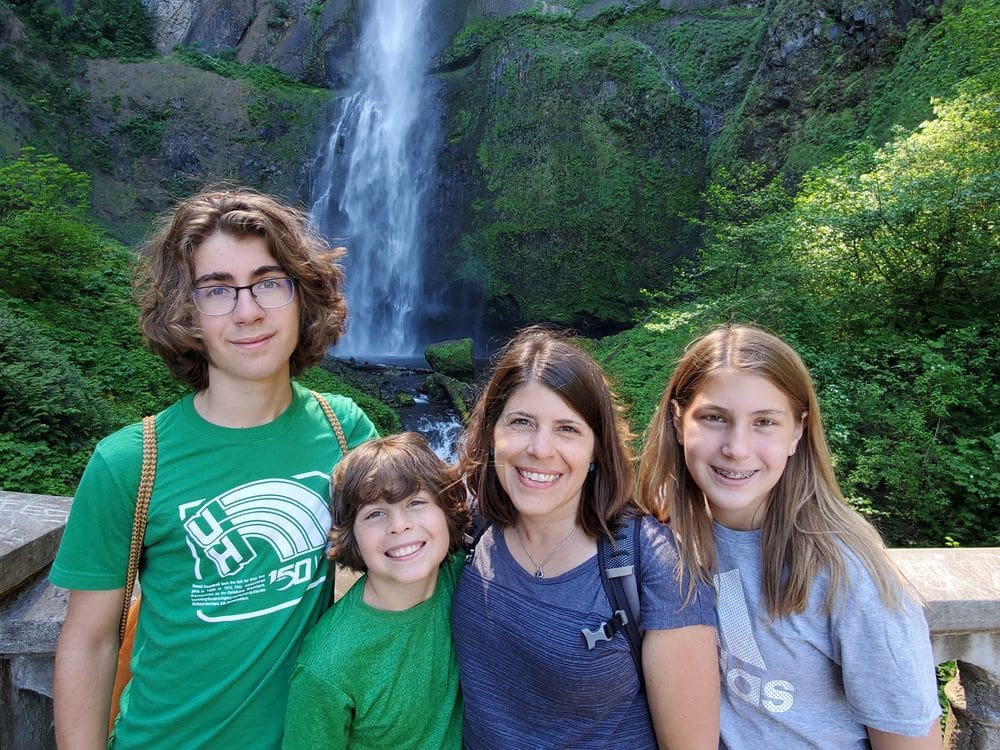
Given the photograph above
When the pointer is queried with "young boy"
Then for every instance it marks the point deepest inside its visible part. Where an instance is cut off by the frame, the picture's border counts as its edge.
(238, 295)
(379, 671)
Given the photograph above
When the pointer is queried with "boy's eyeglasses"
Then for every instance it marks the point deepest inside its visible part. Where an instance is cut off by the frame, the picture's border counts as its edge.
(221, 299)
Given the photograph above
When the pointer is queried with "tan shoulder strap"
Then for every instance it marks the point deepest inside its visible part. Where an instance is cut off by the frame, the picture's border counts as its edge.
(146, 479)
(334, 422)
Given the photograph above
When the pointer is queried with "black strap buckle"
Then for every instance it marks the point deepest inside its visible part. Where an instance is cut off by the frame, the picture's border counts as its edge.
(606, 630)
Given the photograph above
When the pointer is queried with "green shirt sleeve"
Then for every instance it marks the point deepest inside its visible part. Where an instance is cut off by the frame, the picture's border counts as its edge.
(319, 713)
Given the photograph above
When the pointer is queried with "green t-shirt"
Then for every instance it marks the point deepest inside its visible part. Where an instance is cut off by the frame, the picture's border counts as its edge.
(375, 680)
(233, 570)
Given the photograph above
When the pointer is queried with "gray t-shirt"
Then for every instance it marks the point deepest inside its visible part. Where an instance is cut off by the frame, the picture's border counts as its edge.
(528, 679)
(814, 680)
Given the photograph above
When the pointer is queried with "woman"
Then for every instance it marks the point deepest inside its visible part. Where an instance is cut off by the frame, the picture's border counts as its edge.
(546, 461)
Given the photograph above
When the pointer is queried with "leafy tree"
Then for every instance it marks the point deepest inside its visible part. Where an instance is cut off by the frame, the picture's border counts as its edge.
(50, 415)
(883, 272)
(73, 361)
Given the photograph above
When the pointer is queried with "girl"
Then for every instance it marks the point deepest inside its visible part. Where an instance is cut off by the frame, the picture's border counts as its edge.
(545, 458)
(822, 643)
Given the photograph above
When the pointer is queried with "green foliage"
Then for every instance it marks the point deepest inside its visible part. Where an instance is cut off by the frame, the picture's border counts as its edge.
(263, 77)
(591, 167)
(50, 415)
(144, 132)
(712, 55)
(73, 362)
(41, 182)
(95, 28)
(385, 419)
(44, 235)
(471, 40)
(277, 102)
(883, 272)
(112, 28)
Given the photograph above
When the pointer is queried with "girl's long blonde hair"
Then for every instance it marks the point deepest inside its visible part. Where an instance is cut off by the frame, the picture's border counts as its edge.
(807, 523)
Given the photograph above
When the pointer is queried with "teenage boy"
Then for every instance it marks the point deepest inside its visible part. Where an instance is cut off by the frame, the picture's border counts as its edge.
(237, 296)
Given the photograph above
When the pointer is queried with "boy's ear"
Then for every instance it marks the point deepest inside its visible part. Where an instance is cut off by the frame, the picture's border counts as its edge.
(677, 415)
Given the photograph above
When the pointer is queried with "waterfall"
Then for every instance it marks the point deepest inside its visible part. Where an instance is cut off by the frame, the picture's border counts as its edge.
(377, 169)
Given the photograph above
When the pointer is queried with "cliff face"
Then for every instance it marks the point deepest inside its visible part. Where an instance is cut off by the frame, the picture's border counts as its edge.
(309, 41)
(577, 135)
(580, 134)
(818, 70)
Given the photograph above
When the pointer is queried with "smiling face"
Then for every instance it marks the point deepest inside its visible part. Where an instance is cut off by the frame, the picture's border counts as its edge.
(737, 434)
(249, 344)
(402, 545)
(542, 451)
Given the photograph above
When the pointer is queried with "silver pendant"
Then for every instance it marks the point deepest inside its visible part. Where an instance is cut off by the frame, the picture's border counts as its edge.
(538, 573)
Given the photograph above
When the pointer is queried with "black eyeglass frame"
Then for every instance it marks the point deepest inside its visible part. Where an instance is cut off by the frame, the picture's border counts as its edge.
(293, 284)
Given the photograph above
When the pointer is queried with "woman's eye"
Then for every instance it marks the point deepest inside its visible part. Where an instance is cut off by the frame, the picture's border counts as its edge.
(712, 418)
(268, 283)
(373, 514)
(518, 422)
(766, 423)
(570, 429)
(215, 291)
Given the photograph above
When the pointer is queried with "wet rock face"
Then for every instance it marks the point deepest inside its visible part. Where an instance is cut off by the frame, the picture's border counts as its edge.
(309, 42)
(806, 46)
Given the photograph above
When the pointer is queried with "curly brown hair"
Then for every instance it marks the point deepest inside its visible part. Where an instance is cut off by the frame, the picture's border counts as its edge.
(164, 276)
(391, 469)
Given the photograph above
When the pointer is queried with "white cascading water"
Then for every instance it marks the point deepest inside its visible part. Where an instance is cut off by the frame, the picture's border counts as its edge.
(443, 433)
(377, 170)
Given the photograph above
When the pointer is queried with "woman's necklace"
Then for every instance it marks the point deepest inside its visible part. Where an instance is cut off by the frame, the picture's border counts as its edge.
(540, 566)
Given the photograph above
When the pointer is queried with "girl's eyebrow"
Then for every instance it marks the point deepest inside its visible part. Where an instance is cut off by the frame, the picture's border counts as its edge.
(758, 413)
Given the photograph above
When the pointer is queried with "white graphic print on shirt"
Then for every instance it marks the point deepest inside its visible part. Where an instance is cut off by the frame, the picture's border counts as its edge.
(282, 519)
(741, 662)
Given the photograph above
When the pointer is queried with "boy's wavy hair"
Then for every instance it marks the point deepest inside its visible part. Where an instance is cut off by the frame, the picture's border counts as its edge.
(163, 281)
(540, 355)
(391, 469)
(807, 526)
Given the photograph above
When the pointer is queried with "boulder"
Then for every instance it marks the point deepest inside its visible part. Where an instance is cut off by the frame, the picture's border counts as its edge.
(451, 358)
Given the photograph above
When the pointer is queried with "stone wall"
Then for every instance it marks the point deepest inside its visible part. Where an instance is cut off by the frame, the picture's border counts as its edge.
(960, 586)
(31, 613)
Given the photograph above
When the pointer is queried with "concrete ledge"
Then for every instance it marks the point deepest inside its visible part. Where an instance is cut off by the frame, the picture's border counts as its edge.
(31, 527)
(961, 587)
(30, 622)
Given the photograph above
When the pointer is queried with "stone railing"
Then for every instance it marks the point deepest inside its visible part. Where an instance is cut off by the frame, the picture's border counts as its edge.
(961, 588)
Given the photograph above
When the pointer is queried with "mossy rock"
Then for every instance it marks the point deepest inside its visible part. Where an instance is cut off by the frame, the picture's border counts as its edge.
(441, 386)
(451, 358)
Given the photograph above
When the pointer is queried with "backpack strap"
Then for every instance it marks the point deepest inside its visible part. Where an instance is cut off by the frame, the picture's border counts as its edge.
(146, 478)
(618, 559)
(619, 563)
(334, 422)
(477, 527)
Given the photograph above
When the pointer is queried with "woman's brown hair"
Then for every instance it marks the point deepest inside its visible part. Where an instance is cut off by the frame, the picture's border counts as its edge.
(163, 278)
(540, 355)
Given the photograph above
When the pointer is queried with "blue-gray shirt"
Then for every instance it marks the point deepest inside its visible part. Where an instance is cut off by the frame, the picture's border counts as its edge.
(527, 676)
(815, 680)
